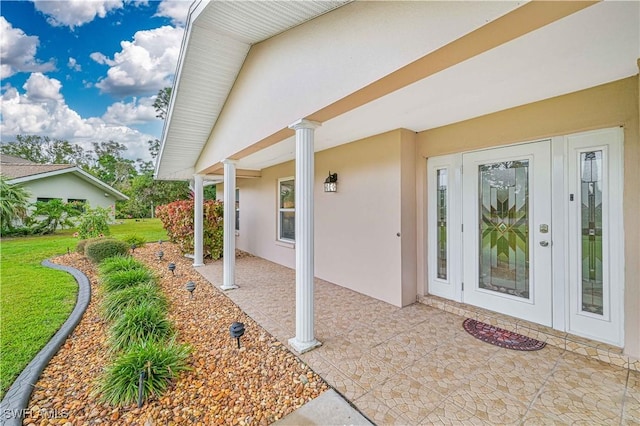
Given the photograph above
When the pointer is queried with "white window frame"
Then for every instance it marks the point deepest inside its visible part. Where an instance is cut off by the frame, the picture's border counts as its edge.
(283, 209)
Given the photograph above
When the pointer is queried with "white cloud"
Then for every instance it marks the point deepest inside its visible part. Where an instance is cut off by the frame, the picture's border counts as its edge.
(101, 59)
(74, 65)
(137, 111)
(75, 13)
(18, 51)
(177, 10)
(42, 110)
(144, 65)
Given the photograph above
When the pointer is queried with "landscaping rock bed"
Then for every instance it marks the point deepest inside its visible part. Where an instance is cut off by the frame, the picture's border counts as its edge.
(257, 384)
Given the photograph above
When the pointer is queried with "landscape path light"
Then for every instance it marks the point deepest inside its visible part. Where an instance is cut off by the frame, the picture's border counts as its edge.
(190, 287)
(172, 268)
(236, 331)
(159, 255)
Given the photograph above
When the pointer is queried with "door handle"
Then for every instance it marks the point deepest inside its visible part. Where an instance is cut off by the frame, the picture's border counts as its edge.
(544, 243)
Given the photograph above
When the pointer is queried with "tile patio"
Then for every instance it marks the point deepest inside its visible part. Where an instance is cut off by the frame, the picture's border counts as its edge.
(417, 365)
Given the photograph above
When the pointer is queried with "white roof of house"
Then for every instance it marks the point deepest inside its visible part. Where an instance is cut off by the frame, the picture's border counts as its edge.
(417, 77)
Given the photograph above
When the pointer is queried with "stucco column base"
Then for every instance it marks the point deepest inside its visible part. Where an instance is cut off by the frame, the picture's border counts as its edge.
(228, 287)
(302, 347)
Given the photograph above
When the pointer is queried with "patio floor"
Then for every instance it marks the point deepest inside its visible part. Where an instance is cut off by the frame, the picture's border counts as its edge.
(417, 365)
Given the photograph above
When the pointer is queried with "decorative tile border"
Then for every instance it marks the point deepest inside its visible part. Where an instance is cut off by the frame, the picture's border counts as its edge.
(596, 350)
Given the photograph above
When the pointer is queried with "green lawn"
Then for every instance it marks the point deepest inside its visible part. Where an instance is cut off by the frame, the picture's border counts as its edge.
(35, 301)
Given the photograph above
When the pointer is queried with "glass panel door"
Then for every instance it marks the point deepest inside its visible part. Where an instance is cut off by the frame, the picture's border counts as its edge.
(504, 227)
(507, 230)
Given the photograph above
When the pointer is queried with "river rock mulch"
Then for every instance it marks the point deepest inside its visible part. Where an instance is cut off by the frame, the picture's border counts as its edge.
(257, 384)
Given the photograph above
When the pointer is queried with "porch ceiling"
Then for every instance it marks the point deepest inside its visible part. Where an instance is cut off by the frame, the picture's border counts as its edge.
(593, 46)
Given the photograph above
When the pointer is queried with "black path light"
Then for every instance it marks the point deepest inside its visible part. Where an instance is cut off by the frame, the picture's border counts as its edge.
(190, 287)
(160, 255)
(236, 331)
(133, 248)
(172, 268)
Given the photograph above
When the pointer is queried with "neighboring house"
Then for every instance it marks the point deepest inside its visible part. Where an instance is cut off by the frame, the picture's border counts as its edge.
(486, 152)
(66, 182)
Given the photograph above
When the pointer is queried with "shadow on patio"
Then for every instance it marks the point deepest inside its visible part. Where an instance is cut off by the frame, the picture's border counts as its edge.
(417, 364)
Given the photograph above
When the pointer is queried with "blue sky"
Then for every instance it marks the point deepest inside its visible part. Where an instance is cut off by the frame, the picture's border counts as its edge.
(87, 70)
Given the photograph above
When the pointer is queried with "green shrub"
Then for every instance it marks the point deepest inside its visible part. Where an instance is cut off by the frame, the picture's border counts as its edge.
(116, 302)
(143, 323)
(177, 219)
(119, 263)
(102, 249)
(134, 239)
(160, 362)
(93, 223)
(119, 280)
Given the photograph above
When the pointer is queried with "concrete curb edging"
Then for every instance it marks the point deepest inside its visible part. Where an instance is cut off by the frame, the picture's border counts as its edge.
(14, 404)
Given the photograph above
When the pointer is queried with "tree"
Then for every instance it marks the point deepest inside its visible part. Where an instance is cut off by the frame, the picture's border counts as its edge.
(44, 150)
(161, 104)
(14, 201)
(55, 214)
(110, 166)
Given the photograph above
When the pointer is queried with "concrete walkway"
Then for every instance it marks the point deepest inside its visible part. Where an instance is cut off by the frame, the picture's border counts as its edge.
(417, 365)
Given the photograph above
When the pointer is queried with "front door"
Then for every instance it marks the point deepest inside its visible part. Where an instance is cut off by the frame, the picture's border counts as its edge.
(507, 230)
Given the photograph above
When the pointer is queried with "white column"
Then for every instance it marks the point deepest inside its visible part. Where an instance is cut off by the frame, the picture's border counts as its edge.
(304, 340)
(229, 254)
(198, 220)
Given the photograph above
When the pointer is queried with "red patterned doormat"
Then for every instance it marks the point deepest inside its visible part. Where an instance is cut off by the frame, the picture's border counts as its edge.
(499, 337)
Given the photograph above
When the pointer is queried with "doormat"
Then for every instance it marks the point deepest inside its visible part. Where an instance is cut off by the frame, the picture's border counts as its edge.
(499, 337)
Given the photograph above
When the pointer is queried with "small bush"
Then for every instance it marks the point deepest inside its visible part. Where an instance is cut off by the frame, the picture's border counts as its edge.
(93, 223)
(119, 280)
(116, 302)
(82, 244)
(134, 239)
(161, 363)
(177, 219)
(102, 249)
(138, 324)
(119, 263)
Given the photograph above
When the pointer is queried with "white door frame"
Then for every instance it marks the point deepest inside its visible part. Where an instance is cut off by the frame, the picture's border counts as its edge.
(449, 287)
(563, 319)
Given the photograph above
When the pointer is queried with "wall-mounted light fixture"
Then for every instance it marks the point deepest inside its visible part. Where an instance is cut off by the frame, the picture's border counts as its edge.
(331, 183)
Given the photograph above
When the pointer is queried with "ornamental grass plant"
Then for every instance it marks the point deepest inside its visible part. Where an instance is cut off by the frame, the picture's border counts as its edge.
(119, 263)
(116, 302)
(160, 362)
(139, 324)
(119, 280)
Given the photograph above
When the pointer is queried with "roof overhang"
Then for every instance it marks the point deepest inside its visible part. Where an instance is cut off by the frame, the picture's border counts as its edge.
(499, 55)
(77, 172)
(217, 38)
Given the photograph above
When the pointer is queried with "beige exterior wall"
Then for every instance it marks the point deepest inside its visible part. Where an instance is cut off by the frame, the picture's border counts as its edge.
(356, 229)
(67, 185)
(316, 63)
(609, 105)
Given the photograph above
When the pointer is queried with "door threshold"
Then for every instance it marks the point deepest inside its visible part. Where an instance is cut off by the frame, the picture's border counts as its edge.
(559, 339)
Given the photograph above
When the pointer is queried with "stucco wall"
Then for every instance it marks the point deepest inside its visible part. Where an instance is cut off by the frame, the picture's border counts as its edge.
(356, 229)
(67, 186)
(609, 105)
(316, 59)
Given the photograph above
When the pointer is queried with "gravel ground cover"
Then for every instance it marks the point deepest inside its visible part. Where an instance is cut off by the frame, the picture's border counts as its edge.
(257, 384)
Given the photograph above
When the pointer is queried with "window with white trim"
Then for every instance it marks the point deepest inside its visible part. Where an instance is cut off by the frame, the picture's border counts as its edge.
(286, 209)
